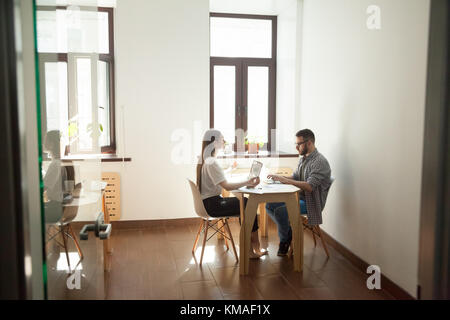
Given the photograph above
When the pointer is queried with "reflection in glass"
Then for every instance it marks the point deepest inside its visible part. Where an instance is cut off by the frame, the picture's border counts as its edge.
(103, 102)
(84, 103)
(258, 103)
(56, 95)
(69, 43)
(72, 30)
(225, 101)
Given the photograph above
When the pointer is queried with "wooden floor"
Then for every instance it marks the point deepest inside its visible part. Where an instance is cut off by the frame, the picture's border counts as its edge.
(156, 263)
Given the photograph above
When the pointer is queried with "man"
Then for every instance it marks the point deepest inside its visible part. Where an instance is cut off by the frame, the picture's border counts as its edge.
(313, 177)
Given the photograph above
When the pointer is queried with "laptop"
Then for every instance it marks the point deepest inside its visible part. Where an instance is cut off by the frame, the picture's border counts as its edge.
(255, 170)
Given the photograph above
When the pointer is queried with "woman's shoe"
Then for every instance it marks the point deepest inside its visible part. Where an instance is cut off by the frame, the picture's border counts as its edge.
(254, 255)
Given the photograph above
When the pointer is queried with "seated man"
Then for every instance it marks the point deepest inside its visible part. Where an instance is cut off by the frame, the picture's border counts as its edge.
(313, 178)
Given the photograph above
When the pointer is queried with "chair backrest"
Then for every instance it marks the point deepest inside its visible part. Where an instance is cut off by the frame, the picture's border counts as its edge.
(198, 202)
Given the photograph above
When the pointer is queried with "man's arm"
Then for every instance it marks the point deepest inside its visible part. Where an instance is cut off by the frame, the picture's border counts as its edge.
(305, 186)
(320, 170)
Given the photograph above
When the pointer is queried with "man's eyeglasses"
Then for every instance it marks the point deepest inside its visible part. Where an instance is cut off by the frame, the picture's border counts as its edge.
(300, 143)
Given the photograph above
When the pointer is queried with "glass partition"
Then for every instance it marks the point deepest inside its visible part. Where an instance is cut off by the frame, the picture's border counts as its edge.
(74, 101)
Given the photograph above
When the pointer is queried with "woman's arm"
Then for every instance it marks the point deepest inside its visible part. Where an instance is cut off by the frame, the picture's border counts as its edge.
(236, 185)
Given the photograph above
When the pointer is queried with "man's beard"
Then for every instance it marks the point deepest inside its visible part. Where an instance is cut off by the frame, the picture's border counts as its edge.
(304, 152)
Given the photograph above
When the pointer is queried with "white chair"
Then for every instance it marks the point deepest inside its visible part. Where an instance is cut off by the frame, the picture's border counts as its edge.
(208, 222)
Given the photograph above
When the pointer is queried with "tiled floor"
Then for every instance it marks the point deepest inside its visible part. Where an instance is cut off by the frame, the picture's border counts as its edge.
(156, 263)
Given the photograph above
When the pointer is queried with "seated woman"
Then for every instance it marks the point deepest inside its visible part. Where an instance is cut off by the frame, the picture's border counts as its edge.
(211, 179)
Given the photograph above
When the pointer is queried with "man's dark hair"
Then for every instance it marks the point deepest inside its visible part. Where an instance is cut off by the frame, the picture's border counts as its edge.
(306, 134)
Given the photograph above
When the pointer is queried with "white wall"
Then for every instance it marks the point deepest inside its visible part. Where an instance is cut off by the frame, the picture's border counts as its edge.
(287, 113)
(162, 84)
(363, 95)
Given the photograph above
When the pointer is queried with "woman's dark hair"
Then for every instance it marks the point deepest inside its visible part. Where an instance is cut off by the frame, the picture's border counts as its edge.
(208, 150)
(52, 143)
(306, 134)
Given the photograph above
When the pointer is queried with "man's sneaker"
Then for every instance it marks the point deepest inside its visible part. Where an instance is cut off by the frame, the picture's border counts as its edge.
(283, 248)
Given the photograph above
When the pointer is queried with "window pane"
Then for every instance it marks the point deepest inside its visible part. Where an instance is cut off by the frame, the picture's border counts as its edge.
(224, 100)
(258, 103)
(84, 99)
(232, 37)
(72, 31)
(56, 98)
(103, 102)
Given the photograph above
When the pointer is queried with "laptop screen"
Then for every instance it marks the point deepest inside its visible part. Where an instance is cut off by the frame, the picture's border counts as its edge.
(255, 170)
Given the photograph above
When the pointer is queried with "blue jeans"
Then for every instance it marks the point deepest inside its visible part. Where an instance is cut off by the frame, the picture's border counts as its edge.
(278, 213)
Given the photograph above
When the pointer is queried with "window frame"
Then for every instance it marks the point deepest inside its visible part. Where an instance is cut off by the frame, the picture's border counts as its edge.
(241, 64)
(105, 57)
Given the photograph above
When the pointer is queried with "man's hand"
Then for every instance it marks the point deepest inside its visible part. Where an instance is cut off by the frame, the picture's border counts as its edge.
(276, 177)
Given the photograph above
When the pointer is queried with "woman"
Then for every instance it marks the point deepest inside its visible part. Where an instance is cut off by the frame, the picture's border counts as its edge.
(55, 175)
(211, 179)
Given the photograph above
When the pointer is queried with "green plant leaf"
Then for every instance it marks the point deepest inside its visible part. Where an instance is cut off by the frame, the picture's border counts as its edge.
(73, 129)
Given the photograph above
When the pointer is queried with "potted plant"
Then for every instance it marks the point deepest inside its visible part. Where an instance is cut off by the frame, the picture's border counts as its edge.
(253, 144)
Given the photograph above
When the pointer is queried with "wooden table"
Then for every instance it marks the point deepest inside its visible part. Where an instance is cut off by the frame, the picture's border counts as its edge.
(238, 175)
(269, 193)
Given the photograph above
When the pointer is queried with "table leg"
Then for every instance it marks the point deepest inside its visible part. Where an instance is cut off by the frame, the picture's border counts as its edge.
(107, 250)
(293, 208)
(244, 236)
(263, 219)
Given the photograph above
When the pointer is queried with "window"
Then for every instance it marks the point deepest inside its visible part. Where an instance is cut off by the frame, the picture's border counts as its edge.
(76, 63)
(243, 69)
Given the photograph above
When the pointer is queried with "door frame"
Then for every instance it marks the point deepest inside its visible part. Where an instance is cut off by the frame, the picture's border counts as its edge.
(14, 282)
(434, 248)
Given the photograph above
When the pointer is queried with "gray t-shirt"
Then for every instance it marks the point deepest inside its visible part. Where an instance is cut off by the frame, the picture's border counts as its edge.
(212, 175)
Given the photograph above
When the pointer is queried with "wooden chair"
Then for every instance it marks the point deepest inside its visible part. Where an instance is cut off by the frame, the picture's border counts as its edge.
(315, 230)
(207, 222)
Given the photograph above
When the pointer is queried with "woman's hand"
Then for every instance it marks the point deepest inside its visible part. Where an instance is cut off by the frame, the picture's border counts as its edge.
(253, 182)
(234, 165)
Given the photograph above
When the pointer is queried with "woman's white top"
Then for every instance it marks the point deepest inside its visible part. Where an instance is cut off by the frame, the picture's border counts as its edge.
(212, 175)
(53, 180)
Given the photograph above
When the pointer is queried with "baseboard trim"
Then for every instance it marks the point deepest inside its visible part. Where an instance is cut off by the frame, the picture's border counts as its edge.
(387, 285)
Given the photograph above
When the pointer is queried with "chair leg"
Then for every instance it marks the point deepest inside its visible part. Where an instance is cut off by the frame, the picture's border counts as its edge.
(223, 230)
(219, 226)
(204, 240)
(198, 235)
(314, 237)
(323, 241)
(80, 253)
(63, 234)
(232, 241)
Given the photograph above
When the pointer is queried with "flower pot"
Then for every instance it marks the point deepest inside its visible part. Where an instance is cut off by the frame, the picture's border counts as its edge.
(253, 148)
